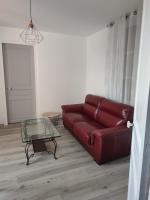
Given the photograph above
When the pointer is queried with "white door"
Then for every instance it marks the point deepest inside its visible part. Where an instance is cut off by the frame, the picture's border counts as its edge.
(19, 81)
(138, 176)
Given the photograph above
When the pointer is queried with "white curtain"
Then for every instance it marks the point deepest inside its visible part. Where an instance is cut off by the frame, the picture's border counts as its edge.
(121, 62)
(136, 56)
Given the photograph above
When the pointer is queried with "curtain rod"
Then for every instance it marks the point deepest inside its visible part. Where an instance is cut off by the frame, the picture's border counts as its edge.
(111, 24)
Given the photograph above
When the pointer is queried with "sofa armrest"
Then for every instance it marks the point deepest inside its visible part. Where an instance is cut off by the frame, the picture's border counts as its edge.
(72, 108)
(111, 143)
(109, 132)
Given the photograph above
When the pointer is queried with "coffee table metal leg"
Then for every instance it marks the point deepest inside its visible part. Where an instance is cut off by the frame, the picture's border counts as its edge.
(27, 146)
(55, 148)
(27, 153)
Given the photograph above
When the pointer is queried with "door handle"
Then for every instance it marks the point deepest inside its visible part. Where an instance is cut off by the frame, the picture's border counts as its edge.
(129, 124)
(10, 89)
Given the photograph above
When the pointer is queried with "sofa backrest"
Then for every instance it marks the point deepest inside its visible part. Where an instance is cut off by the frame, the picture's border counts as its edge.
(91, 105)
(113, 114)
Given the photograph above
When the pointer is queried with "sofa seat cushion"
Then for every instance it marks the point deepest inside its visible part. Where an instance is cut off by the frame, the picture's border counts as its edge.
(70, 118)
(82, 130)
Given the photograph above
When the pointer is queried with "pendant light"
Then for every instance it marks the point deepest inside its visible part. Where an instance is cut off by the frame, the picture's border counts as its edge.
(31, 35)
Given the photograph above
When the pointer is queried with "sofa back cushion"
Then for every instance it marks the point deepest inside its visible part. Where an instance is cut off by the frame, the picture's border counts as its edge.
(113, 114)
(90, 107)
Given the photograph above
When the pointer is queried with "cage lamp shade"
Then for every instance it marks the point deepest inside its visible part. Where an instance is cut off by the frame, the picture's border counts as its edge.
(31, 35)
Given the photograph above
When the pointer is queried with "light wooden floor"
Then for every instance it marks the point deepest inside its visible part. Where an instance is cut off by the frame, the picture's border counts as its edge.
(74, 176)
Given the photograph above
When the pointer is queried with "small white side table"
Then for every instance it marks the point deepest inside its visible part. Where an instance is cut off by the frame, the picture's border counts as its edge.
(53, 116)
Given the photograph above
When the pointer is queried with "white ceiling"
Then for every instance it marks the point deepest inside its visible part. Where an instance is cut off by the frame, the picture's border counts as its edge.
(77, 17)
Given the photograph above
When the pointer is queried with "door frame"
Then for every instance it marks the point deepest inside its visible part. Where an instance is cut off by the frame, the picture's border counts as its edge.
(2, 77)
(144, 181)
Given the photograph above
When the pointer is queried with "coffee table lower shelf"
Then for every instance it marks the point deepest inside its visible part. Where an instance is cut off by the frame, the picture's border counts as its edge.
(39, 145)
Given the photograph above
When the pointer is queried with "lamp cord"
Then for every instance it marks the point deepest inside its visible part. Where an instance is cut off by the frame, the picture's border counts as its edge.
(30, 10)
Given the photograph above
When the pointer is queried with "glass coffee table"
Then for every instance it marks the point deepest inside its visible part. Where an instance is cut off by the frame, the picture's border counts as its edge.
(38, 132)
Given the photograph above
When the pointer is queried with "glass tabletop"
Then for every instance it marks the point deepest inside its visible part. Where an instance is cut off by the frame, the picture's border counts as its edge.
(36, 129)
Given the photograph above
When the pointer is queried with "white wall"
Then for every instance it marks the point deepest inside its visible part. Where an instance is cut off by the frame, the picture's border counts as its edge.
(60, 70)
(96, 62)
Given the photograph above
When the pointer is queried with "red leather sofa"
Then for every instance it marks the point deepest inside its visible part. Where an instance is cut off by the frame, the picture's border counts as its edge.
(99, 125)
